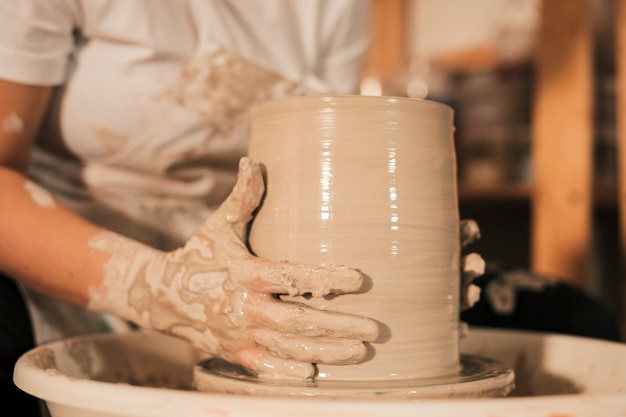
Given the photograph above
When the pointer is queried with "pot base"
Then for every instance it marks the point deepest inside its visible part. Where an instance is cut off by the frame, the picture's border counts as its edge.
(478, 377)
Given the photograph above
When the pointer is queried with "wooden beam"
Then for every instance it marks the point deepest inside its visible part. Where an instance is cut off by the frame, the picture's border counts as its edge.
(388, 47)
(562, 138)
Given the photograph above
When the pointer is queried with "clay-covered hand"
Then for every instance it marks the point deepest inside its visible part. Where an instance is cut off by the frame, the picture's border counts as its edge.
(214, 293)
(472, 265)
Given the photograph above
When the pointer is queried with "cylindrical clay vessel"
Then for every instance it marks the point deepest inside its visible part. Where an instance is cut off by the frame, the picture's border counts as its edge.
(368, 182)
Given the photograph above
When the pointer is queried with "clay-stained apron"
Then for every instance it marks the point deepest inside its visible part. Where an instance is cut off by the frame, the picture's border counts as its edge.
(195, 142)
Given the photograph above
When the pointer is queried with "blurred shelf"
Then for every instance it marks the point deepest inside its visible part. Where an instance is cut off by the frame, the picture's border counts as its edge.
(502, 192)
(604, 193)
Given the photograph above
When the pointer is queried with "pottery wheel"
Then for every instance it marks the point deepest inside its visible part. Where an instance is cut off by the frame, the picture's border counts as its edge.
(478, 377)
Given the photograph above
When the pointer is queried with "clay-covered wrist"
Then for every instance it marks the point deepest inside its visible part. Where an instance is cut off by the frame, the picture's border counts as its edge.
(130, 279)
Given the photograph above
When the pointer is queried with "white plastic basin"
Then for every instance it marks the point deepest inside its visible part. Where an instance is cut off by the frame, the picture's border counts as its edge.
(150, 375)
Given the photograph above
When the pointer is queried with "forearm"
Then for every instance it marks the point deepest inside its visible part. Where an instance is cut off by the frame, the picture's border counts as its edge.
(45, 245)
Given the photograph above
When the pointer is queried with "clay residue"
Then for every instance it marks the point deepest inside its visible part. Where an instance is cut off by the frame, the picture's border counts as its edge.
(502, 292)
(532, 380)
(39, 195)
(111, 140)
(109, 359)
(121, 274)
(13, 124)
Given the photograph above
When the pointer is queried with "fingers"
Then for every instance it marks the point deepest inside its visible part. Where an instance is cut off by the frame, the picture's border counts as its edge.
(472, 266)
(470, 232)
(236, 210)
(297, 279)
(264, 364)
(305, 321)
(292, 356)
(316, 350)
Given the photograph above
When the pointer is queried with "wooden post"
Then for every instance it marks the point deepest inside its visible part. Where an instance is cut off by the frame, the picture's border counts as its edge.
(620, 61)
(562, 139)
(388, 48)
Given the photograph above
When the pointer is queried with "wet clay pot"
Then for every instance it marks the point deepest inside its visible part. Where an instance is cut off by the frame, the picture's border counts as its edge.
(368, 182)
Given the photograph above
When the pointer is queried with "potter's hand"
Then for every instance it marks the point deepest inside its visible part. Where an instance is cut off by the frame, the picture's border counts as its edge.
(472, 265)
(215, 294)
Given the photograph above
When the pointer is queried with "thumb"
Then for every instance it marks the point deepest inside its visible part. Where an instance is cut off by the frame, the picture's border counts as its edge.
(236, 211)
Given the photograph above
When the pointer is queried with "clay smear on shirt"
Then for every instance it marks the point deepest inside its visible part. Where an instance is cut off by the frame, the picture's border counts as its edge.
(13, 124)
(111, 140)
(39, 195)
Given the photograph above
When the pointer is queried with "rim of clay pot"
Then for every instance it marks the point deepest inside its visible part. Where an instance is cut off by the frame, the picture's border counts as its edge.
(299, 102)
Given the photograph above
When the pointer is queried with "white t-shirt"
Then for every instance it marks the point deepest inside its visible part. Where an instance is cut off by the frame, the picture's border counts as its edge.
(154, 94)
(150, 115)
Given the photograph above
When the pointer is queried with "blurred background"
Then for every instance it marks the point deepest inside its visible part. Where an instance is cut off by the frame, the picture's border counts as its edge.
(533, 87)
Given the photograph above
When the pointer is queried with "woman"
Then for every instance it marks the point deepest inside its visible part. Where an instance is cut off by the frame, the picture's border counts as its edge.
(124, 124)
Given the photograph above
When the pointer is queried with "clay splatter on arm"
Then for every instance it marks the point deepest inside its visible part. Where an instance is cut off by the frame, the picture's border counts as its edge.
(13, 124)
(40, 195)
